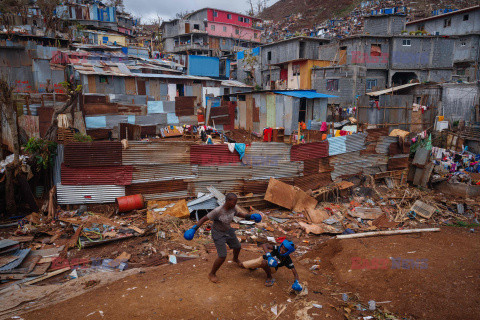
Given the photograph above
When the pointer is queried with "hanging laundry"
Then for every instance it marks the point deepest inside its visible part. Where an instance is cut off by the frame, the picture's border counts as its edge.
(240, 147)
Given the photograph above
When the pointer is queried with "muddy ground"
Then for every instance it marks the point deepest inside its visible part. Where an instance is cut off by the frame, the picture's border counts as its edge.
(445, 286)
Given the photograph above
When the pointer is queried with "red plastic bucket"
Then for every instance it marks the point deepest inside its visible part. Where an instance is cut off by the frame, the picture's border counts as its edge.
(129, 203)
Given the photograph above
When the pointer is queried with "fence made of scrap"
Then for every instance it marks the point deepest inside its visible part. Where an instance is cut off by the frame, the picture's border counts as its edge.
(97, 172)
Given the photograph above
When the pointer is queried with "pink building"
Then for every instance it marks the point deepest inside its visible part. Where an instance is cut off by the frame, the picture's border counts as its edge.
(212, 32)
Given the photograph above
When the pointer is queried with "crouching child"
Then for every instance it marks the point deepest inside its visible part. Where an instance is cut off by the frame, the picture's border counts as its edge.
(274, 258)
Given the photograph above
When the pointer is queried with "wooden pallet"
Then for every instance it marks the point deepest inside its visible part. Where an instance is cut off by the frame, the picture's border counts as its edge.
(65, 135)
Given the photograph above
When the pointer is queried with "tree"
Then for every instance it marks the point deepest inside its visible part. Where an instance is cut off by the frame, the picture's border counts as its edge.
(10, 10)
(117, 4)
(73, 93)
(9, 112)
(47, 9)
(256, 7)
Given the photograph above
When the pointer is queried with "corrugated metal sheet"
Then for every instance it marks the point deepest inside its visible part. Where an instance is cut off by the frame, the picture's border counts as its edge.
(116, 175)
(355, 142)
(398, 162)
(374, 134)
(212, 154)
(21, 255)
(354, 163)
(156, 187)
(383, 144)
(148, 153)
(89, 194)
(292, 169)
(101, 153)
(267, 153)
(57, 165)
(166, 195)
(313, 181)
(314, 150)
(336, 145)
(163, 172)
(234, 171)
(223, 186)
(311, 166)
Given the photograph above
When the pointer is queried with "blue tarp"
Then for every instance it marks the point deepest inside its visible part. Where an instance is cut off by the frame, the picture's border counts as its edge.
(96, 122)
(309, 94)
(154, 107)
(203, 66)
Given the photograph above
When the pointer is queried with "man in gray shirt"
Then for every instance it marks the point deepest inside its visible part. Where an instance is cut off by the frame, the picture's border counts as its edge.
(222, 232)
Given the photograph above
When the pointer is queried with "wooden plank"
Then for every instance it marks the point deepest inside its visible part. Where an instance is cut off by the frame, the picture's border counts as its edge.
(366, 213)
(280, 193)
(385, 233)
(49, 275)
(92, 86)
(130, 86)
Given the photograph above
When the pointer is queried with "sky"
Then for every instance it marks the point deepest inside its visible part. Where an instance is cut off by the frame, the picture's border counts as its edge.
(150, 9)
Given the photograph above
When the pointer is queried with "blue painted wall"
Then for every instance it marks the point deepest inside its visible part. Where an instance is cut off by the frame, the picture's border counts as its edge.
(203, 66)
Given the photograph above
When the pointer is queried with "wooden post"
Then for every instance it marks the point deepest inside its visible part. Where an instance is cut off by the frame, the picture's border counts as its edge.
(298, 133)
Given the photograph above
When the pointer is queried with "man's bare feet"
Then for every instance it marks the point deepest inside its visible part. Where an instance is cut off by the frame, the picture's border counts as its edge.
(213, 278)
(239, 263)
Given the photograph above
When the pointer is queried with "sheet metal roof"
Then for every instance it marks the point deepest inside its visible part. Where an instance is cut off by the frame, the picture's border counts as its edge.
(309, 94)
(89, 194)
(390, 90)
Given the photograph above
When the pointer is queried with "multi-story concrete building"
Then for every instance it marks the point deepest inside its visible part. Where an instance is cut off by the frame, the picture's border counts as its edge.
(374, 61)
(287, 64)
(211, 32)
(465, 24)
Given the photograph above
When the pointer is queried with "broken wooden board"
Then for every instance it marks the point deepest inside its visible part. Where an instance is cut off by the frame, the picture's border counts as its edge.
(317, 215)
(303, 201)
(317, 228)
(422, 209)
(49, 275)
(366, 213)
(384, 222)
(179, 210)
(342, 185)
(281, 194)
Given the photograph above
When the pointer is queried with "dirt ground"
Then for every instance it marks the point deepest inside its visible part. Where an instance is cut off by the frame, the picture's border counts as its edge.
(448, 288)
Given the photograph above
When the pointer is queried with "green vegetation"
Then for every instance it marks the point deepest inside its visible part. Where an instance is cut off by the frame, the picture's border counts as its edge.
(43, 150)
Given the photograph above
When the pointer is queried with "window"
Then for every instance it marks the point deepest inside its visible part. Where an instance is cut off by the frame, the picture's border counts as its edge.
(224, 42)
(332, 85)
(269, 55)
(247, 20)
(406, 42)
(421, 27)
(255, 35)
(240, 19)
(237, 31)
(465, 17)
(224, 29)
(215, 14)
(371, 83)
(296, 70)
(212, 27)
(229, 16)
(447, 22)
(103, 79)
(197, 27)
(376, 50)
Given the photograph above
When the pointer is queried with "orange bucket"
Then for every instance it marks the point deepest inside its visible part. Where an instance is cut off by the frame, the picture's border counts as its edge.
(129, 203)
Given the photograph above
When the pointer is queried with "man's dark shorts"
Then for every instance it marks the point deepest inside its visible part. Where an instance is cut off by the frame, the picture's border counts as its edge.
(222, 238)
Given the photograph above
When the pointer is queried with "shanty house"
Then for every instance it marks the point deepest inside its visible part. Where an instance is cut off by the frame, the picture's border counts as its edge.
(260, 109)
